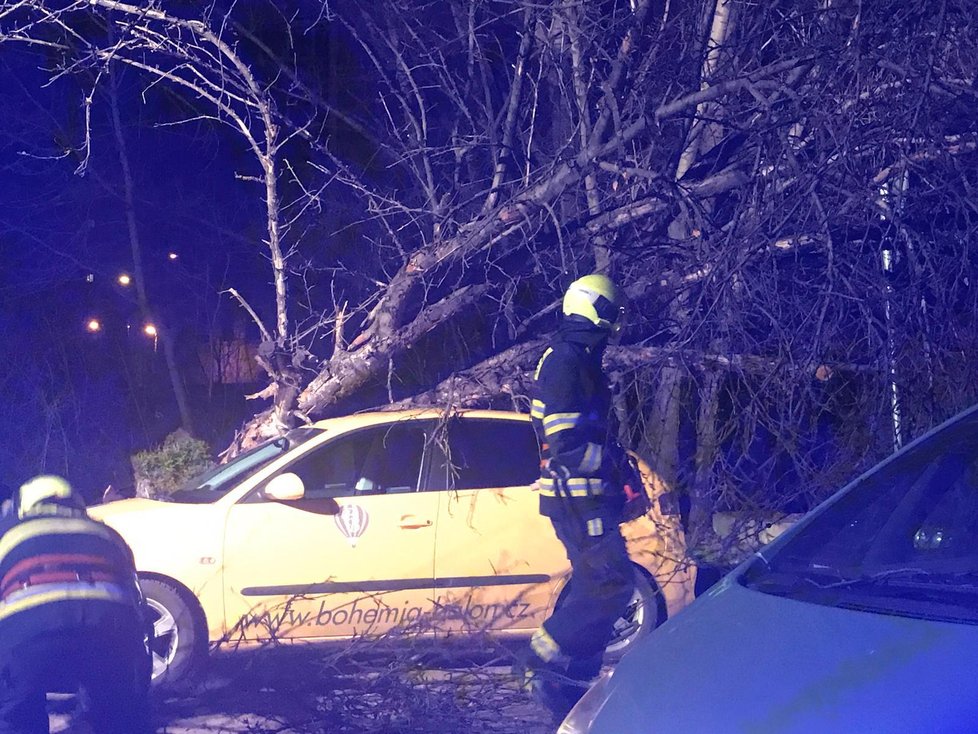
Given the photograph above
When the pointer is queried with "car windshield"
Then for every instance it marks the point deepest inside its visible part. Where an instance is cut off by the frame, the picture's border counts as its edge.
(905, 534)
(215, 483)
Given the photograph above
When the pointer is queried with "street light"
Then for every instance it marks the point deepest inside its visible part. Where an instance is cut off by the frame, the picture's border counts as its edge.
(172, 255)
(151, 331)
(94, 325)
(124, 279)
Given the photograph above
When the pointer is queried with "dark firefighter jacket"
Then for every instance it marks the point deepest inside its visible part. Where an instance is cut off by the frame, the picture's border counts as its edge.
(571, 414)
(59, 569)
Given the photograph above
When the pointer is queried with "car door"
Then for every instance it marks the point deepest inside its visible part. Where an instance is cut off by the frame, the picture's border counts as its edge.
(353, 556)
(497, 560)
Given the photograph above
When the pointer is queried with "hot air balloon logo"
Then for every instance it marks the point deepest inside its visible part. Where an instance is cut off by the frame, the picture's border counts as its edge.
(352, 520)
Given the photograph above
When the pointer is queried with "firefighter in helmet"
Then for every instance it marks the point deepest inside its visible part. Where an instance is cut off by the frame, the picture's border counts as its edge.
(583, 491)
(71, 615)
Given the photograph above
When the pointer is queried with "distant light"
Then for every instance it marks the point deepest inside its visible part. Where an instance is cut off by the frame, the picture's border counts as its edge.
(124, 279)
(94, 325)
(150, 330)
(90, 278)
(172, 255)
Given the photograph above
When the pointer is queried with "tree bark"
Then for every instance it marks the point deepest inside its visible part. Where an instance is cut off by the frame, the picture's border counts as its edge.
(162, 330)
(702, 493)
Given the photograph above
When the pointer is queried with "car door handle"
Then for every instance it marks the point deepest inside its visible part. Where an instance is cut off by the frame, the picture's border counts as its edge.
(411, 522)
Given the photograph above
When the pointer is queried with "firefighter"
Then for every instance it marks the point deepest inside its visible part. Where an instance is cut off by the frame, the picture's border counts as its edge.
(71, 615)
(582, 491)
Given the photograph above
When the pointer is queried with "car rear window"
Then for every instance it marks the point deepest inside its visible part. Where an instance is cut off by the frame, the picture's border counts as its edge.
(487, 453)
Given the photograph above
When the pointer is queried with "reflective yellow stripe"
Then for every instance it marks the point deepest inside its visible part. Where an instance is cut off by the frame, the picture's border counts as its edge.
(536, 375)
(557, 422)
(61, 592)
(592, 458)
(544, 645)
(537, 409)
(52, 526)
(595, 527)
(576, 486)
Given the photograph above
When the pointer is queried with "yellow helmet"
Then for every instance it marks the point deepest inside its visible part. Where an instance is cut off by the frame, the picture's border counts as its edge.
(44, 488)
(596, 298)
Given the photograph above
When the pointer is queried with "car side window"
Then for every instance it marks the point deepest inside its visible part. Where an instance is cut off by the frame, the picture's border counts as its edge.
(486, 453)
(378, 460)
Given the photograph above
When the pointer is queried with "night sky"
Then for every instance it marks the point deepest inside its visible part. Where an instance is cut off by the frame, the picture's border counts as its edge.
(64, 243)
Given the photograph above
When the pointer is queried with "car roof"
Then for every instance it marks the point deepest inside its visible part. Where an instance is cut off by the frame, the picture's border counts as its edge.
(369, 418)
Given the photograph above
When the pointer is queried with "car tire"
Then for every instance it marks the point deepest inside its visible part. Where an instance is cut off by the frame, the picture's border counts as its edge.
(179, 643)
(646, 610)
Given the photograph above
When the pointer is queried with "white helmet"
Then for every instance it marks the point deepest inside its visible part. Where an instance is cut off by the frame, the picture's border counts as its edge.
(45, 488)
(595, 298)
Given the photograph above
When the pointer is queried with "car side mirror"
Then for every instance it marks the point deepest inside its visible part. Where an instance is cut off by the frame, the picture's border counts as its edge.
(286, 487)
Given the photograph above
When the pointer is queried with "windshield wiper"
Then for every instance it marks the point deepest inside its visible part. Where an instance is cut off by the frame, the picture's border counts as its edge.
(904, 577)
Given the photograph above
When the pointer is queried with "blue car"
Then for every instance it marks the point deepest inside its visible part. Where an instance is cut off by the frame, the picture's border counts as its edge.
(861, 618)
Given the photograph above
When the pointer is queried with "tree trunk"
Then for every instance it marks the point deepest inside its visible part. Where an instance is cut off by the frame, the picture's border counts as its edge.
(702, 493)
(662, 434)
(704, 133)
(163, 333)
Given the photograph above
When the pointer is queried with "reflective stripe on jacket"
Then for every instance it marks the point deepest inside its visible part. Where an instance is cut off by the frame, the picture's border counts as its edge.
(63, 556)
(571, 411)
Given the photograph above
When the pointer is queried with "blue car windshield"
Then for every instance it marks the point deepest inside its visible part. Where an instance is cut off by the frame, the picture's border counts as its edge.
(216, 482)
(913, 520)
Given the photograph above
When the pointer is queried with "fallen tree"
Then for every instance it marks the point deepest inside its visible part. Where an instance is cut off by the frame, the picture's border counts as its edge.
(742, 169)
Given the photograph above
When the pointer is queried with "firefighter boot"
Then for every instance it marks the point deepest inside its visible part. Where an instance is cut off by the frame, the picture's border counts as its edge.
(548, 684)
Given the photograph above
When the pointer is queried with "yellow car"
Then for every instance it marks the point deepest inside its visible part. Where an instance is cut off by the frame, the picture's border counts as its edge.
(360, 525)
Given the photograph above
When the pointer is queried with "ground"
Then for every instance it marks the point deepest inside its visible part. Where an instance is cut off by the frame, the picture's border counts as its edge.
(311, 690)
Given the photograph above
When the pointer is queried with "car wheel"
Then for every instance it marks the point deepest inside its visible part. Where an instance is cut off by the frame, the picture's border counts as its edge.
(179, 637)
(645, 612)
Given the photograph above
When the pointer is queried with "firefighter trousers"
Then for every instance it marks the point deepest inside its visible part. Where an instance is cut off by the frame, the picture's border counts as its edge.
(109, 664)
(601, 586)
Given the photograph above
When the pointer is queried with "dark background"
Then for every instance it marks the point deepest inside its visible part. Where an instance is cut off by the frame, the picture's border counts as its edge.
(77, 402)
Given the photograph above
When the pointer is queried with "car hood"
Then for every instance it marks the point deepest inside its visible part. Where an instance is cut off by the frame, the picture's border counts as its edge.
(121, 508)
(738, 660)
(168, 538)
(141, 515)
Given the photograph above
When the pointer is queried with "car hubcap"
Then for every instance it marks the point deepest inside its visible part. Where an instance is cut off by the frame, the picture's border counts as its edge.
(165, 637)
(629, 623)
